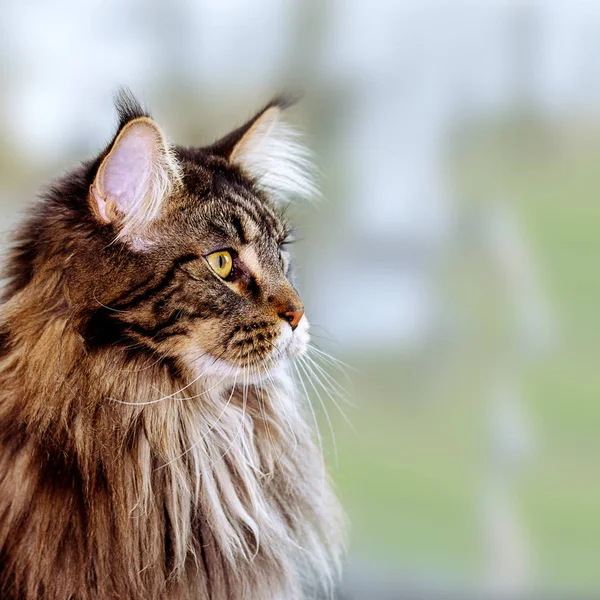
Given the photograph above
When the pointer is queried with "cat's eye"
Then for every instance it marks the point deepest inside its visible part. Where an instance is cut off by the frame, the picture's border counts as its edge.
(221, 263)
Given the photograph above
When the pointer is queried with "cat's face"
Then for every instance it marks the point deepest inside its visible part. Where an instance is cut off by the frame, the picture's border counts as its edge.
(200, 274)
(228, 299)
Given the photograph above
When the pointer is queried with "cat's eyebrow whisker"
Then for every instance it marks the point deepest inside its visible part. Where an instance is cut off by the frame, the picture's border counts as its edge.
(307, 366)
(310, 375)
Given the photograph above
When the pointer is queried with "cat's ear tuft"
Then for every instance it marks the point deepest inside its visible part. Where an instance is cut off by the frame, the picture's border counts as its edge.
(270, 151)
(134, 178)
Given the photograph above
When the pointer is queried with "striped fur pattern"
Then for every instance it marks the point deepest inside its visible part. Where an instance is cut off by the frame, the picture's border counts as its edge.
(152, 442)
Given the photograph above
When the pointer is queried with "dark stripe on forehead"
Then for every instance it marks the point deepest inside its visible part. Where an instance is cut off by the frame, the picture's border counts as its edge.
(257, 205)
(239, 212)
(237, 224)
(230, 226)
(257, 212)
(264, 210)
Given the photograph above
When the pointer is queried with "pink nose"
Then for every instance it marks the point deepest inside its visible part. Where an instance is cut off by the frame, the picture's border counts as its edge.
(293, 317)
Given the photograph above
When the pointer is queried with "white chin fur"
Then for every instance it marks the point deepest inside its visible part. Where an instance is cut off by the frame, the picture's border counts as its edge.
(289, 344)
(297, 341)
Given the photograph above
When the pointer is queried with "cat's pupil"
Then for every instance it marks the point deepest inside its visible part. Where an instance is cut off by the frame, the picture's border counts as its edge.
(221, 261)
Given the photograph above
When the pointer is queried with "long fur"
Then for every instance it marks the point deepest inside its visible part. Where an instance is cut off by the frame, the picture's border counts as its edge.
(124, 473)
(273, 155)
(251, 484)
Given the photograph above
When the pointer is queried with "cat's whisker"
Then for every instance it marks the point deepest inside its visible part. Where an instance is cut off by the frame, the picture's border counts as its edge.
(144, 368)
(326, 412)
(279, 352)
(235, 369)
(326, 334)
(284, 411)
(281, 404)
(335, 386)
(318, 380)
(251, 367)
(321, 337)
(244, 438)
(341, 365)
(208, 352)
(315, 421)
(108, 307)
(261, 402)
(138, 344)
(174, 394)
(241, 426)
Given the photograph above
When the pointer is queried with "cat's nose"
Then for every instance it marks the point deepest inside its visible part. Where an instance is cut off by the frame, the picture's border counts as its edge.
(292, 316)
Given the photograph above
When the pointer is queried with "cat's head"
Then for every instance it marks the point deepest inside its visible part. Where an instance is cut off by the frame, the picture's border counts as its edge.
(176, 251)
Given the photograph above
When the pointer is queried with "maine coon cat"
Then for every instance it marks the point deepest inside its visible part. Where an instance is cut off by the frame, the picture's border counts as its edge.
(152, 442)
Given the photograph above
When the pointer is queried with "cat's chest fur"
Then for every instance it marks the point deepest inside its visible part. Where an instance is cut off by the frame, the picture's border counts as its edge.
(200, 493)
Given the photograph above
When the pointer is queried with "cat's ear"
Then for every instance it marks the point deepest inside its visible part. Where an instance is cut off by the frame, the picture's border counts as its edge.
(270, 151)
(134, 178)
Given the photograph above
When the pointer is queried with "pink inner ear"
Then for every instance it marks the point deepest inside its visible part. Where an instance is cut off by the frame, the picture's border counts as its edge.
(125, 175)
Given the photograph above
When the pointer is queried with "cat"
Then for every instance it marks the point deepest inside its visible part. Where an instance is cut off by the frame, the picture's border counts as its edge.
(152, 442)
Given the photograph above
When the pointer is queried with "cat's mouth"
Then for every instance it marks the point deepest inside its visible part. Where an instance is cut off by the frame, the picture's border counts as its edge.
(262, 344)
(254, 350)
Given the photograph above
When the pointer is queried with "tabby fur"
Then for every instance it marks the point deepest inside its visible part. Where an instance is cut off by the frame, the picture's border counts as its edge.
(152, 441)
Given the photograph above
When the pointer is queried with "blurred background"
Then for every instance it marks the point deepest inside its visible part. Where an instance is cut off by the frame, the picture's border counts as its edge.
(452, 261)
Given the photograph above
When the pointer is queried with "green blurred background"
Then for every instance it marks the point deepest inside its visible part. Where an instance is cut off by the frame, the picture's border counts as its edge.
(451, 261)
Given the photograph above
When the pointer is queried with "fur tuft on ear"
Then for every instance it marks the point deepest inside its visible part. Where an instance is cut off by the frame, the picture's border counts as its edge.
(270, 151)
(136, 175)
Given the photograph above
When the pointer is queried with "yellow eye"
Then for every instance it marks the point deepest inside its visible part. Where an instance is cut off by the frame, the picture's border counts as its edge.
(221, 263)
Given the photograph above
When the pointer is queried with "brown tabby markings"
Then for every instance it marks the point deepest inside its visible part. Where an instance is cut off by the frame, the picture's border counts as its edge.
(151, 441)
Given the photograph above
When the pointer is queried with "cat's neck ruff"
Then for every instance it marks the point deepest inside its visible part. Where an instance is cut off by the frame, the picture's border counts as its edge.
(230, 465)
